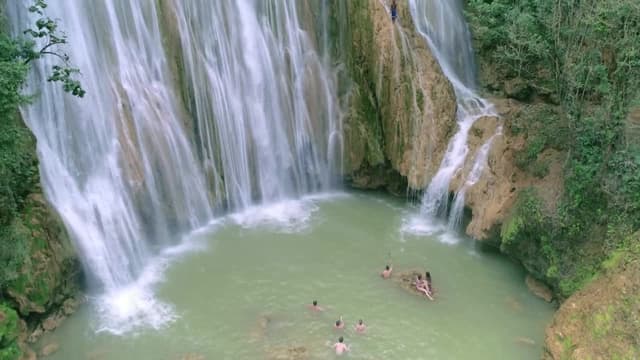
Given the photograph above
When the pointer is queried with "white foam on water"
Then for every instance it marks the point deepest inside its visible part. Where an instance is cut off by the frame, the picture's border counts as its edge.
(288, 216)
(449, 237)
(419, 226)
(136, 307)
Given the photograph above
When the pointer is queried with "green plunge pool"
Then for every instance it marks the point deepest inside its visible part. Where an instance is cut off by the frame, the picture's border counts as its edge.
(239, 290)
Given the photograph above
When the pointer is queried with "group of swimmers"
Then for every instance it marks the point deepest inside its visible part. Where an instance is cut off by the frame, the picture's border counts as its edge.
(340, 347)
(424, 286)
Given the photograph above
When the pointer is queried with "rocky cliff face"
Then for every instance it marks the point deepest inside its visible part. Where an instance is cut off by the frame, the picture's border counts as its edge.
(39, 267)
(401, 106)
(601, 321)
(560, 194)
(508, 171)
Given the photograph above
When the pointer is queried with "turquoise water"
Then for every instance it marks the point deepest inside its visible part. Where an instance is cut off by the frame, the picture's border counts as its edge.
(240, 290)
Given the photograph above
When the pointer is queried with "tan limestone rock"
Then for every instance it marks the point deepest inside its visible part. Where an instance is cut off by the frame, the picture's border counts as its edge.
(414, 106)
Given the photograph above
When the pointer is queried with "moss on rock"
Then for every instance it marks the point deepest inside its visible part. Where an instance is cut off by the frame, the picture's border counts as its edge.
(49, 268)
(401, 106)
(9, 331)
(38, 267)
(602, 321)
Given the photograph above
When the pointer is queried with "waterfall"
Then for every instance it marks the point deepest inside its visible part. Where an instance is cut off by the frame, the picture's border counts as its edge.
(442, 25)
(262, 97)
(241, 111)
(116, 164)
(480, 161)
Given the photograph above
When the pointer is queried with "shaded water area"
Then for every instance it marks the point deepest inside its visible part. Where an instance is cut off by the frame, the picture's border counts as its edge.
(241, 291)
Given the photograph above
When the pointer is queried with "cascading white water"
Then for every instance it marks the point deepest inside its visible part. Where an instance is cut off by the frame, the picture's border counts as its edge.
(480, 161)
(443, 26)
(119, 164)
(263, 99)
(116, 164)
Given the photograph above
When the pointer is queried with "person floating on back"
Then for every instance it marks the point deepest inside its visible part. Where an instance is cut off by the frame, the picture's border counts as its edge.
(386, 273)
(315, 307)
(340, 346)
(339, 324)
(361, 327)
(394, 10)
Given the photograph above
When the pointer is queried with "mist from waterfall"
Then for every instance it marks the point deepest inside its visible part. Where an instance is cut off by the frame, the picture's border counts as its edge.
(445, 30)
(240, 112)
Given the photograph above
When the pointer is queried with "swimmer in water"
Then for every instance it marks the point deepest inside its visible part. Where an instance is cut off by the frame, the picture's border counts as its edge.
(340, 346)
(427, 285)
(421, 287)
(387, 272)
(361, 327)
(315, 307)
(339, 324)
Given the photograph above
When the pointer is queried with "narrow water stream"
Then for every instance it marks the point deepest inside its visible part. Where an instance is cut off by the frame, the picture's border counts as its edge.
(241, 293)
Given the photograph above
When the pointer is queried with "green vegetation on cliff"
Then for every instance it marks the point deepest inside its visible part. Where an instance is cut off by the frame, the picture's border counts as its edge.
(37, 266)
(9, 330)
(575, 68)
(18, 161)
(576, 65)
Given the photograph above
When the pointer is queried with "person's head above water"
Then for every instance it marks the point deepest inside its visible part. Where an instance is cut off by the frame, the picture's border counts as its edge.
(419, 277)
(338, 322)
(340, 339)
(315, 302)
(360, 322)
(387, 267)
(427, 275)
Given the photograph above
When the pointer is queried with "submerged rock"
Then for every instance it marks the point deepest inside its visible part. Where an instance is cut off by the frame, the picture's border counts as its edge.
(49, 349)
(192, 356)
(525, 341)
(97, 354)
(259, 331)
(405, 280)
(28, 354)
(539, 289)
(288, 353)
(513, 304)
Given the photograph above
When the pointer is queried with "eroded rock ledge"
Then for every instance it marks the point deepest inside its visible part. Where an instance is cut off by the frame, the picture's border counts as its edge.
(402, 107)
(493, 196)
